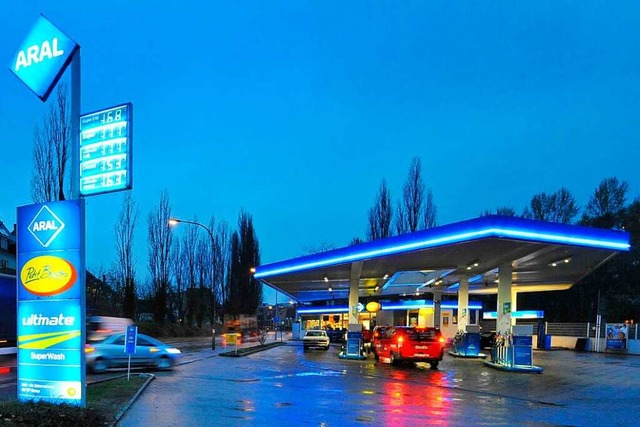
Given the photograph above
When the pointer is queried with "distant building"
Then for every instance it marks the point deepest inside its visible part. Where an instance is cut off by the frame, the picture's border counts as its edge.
(7, 249)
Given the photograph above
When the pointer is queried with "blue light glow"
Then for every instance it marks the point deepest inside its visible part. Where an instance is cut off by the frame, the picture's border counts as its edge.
(522, 314)
(322, 310)
(484, 227)
(401, 305)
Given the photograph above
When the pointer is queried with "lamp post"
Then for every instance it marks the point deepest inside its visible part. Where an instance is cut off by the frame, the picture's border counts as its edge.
(176, 221)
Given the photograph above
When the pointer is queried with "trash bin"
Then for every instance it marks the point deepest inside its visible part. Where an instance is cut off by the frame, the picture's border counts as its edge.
(581, 344)
(544, 342)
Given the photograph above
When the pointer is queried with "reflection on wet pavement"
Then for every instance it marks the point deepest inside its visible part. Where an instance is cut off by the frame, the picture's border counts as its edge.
(288, 387)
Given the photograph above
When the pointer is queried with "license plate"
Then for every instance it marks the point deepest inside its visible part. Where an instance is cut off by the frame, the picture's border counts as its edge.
(422, 347)
(419, 355)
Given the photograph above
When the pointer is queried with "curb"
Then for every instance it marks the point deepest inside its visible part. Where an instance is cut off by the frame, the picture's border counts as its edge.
(251, 350)
(126, 407)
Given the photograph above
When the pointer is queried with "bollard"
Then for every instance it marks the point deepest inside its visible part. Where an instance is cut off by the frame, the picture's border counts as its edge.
(213, 339)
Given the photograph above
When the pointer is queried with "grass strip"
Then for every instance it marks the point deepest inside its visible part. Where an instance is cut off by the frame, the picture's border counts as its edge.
(105, 401)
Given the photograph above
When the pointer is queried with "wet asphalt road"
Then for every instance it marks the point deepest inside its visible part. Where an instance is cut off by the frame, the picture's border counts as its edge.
(288, 387)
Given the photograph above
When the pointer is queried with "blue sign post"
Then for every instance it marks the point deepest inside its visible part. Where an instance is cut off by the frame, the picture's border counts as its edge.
(51, 301)
(130, 342)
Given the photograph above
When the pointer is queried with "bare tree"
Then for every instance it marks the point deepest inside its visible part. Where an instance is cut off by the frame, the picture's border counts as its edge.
(503, 210)
(380, 214)
(124, 234)
(160, 240)
(410, 208)
(317, 249)
(203, 292)
(221, 259)
(178, 266)
(51, 150)
(565, 206)
(555, 207)
(245, 292)
(608, 199)
(356, 240)
(430, 211)
(506, 211)
(190, 242)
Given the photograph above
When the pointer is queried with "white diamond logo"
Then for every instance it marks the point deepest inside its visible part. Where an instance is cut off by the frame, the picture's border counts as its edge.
(46, 226)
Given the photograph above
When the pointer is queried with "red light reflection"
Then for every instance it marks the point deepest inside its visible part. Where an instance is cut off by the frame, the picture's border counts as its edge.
(416, 397)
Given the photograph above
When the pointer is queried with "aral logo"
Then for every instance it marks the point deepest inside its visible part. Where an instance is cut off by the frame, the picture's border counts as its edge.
(47, 275)
(38, 53)
(46, 226)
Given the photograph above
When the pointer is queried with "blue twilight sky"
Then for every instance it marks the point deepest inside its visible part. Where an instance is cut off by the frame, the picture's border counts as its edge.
(297, 110)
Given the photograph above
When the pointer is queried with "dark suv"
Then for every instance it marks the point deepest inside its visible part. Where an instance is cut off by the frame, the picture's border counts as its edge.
(407, 343)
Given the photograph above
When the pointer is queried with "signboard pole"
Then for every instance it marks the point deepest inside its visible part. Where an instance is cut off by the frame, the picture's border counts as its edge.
(130, 343)
(75, 125)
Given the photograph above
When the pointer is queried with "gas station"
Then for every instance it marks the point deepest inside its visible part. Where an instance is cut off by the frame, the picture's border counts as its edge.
(411, 274)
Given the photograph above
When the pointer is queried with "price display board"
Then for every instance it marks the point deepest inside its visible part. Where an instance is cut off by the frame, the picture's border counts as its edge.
(105, 150)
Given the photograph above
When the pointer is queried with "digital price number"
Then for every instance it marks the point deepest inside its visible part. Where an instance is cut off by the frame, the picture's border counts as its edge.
(105, 150)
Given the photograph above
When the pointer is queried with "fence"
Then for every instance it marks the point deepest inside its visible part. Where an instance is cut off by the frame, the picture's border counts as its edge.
(584, 335)
(580, 330)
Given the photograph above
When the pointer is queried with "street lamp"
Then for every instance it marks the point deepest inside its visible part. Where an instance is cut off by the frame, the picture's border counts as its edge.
(176, 221)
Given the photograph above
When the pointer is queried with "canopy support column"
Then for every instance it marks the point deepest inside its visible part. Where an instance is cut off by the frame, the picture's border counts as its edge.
(463, 304)
(503, 324)
(437, 311)
(354, 284)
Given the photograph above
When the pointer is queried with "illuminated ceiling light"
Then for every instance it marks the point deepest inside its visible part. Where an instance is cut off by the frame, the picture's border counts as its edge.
(326, 279)
(252, 270)
(560, 262)
(377, 288)
(330, 289)
(473, 265)
(385, 277)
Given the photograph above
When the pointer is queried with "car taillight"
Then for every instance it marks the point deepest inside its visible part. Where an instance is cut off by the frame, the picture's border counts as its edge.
(441, 340)
(400, 340)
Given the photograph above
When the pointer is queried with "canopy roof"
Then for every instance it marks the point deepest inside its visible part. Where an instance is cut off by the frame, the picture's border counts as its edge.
(544, 256)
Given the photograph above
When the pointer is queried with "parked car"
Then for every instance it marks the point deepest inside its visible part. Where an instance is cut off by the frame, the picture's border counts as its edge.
(315, 338)
(376, 334)
(411, 344)
(110, 353)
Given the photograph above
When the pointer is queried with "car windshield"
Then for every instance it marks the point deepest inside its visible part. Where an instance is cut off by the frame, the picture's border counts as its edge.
(315, 334)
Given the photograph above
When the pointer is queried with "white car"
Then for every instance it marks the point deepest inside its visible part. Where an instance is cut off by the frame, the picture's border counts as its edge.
(315, 338)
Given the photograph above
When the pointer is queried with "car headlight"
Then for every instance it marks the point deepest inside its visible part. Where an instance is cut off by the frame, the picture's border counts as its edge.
(173, 351)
